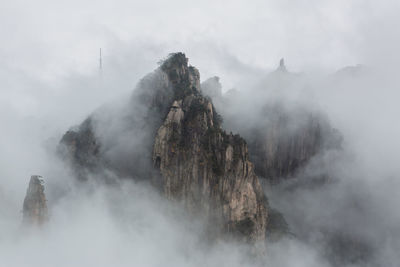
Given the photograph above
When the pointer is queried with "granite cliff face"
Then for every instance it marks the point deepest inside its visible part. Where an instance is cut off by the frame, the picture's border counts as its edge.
(201, 165)
(35, 207)
(178, 144)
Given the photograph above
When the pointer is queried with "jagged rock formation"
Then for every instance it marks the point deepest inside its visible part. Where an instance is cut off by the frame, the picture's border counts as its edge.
(171, 125)
(203, 166)
(35, 207)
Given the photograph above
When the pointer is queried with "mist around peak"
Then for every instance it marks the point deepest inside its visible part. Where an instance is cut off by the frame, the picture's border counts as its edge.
(338, 196)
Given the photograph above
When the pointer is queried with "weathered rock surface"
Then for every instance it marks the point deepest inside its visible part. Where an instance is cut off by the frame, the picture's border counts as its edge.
(35, 207)
(203, 166)
(171, 133)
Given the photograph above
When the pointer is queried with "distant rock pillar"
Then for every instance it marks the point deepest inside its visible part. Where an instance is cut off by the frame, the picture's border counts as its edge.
(282, 66)
(35, 207)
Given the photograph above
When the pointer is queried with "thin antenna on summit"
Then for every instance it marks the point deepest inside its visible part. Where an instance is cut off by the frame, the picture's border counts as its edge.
(100, 62)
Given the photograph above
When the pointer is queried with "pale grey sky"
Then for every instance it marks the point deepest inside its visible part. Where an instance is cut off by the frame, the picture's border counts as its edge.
(46, 38)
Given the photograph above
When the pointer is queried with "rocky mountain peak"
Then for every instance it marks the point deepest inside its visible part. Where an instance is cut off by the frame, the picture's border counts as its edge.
(203, 166)
(192, 159)
(184, 78)
(175, 60)
(35, 207)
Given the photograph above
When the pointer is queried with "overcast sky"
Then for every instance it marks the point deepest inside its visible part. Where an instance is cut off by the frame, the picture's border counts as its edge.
(48, 37)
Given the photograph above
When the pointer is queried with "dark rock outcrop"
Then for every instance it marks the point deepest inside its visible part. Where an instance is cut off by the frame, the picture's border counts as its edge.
(35, 207)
